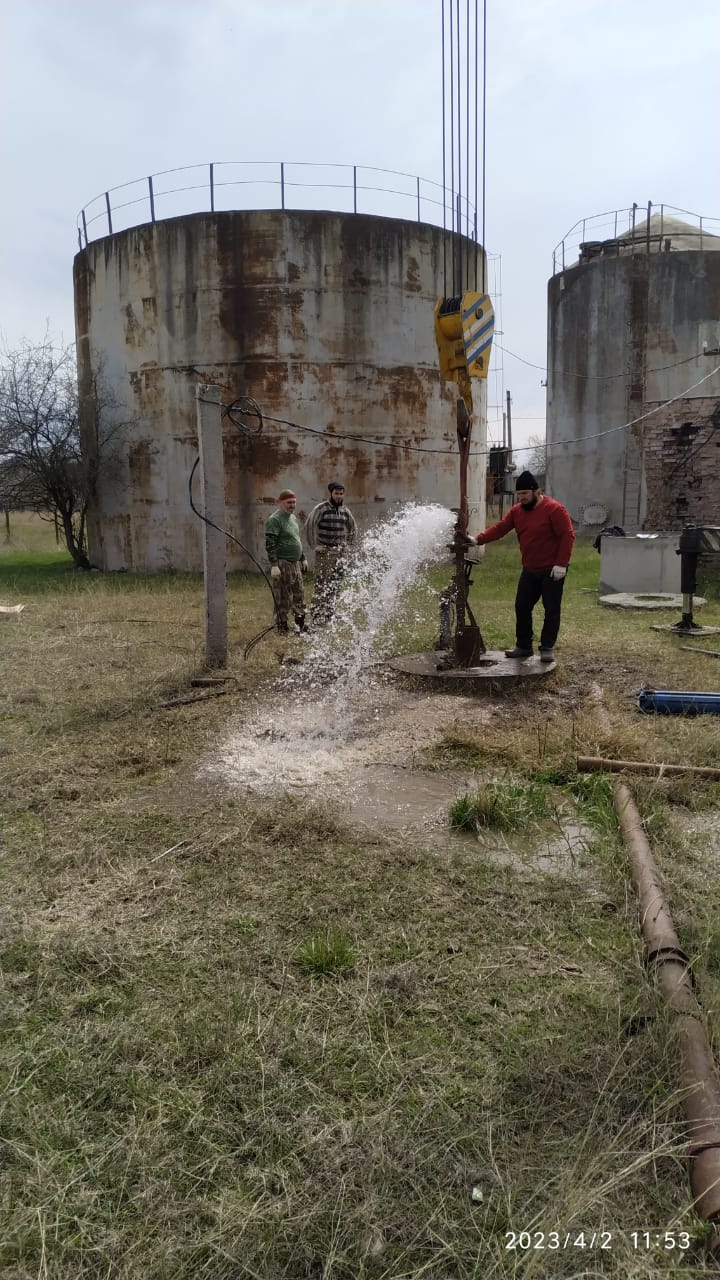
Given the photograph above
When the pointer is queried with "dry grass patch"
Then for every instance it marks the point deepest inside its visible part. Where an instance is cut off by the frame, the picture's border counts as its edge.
(183, 1100)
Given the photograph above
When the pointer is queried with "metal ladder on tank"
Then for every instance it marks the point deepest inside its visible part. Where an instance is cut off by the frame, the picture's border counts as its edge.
(632, 485)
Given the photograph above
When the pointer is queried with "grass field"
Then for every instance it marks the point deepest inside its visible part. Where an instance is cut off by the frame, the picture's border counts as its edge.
(243, 1040)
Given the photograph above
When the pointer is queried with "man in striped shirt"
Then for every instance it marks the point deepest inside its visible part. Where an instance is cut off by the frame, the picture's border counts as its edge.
(330, 531)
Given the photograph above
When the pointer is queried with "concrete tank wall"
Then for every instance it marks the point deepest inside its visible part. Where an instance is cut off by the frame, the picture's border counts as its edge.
(325, 319)
(626, 334)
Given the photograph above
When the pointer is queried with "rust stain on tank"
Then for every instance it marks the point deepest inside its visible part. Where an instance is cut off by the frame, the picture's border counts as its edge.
(386, 243)
(248, 310)
(412, 276)
(83, 279)
(267, 458)
(249, 316)
(638, 318)
(133, 329)
(266, 382)
(119, 530)
(407, 392)
(140, 457)
(359, 279)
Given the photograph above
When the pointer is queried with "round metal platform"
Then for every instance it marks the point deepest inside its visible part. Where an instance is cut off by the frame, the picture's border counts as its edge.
(648, 600)
(685, 631)
(493, 666)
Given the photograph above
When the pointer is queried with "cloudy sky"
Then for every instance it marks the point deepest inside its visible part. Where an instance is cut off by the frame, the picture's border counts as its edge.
(591, 105)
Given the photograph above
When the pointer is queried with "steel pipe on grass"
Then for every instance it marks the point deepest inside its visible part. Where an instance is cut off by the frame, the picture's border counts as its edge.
(698, 1082)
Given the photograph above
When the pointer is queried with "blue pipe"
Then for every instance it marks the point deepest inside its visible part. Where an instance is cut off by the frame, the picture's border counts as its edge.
(668, 702)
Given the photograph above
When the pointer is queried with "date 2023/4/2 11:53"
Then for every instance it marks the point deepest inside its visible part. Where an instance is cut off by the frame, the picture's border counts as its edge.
(641, 1240)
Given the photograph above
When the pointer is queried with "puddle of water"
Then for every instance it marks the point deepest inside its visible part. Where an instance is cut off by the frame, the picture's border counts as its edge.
(397, 799)
(563, 855)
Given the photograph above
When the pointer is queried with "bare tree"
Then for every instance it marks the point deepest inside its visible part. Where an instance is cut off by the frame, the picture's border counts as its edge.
(537, 454)
(42, 464)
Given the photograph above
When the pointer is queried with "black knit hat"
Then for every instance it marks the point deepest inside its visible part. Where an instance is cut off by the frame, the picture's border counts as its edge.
(335, 484)
(526, 480)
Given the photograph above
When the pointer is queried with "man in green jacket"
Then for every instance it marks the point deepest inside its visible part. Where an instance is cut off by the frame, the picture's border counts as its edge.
(287, 562)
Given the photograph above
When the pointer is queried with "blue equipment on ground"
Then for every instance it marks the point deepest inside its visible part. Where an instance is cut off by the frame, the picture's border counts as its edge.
(670, 702)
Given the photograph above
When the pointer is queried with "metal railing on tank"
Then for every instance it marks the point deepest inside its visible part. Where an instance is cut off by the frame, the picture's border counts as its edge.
(243, 185)
(637, 230)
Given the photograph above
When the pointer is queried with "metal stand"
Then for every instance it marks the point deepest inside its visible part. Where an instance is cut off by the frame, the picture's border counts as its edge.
(694, 540)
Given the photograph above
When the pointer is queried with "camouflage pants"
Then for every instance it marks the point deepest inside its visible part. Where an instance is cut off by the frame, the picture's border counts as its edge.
(288, 591)
(329, 570)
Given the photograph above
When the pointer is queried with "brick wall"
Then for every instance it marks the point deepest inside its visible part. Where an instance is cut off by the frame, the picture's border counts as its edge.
(681, 460)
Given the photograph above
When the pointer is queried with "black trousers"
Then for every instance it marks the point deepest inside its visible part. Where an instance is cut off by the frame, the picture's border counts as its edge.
(531, 587)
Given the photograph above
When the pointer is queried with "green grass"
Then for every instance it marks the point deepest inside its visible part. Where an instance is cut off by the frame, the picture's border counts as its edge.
(241, 1040)
(500, 806)
(325, 953)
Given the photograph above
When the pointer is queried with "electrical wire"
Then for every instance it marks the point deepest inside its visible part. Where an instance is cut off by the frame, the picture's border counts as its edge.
(383, 444)
(245, 407)
(256, 639)
(590, 377)
(474, 453)
(482, 453)
(226, 533)
(229, 410)
(598, 435)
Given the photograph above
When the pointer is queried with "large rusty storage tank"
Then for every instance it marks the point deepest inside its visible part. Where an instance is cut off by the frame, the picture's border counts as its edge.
(325, 319)
(632, 325)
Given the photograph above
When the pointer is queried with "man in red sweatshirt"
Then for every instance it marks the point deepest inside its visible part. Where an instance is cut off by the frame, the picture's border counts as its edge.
(546, 536)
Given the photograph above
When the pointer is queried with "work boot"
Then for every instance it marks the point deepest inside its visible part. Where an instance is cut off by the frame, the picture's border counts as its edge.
(547, 655)
(301, 626)
(517, 652)
(282, 628)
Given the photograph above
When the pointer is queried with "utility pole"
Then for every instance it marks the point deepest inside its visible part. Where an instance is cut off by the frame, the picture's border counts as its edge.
(212, 489)
(506, 484)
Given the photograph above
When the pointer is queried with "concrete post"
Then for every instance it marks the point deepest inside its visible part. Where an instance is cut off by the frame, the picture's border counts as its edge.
(212, 490)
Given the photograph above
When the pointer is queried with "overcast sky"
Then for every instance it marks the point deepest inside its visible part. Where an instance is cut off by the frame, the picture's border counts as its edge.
(591, 105)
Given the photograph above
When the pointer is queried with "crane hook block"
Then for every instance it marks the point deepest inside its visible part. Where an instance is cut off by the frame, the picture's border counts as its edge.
(464, 331)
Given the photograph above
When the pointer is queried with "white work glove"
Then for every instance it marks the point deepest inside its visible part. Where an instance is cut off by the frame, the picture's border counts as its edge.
(304, 565)
(275, 572)
(557, 573)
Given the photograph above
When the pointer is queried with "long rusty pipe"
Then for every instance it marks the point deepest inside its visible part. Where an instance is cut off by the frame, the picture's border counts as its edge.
(698, 1079)
(597, 764)
(665, 957)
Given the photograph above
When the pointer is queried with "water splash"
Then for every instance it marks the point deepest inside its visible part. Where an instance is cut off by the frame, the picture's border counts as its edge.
(389, 560)
(330, 708)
